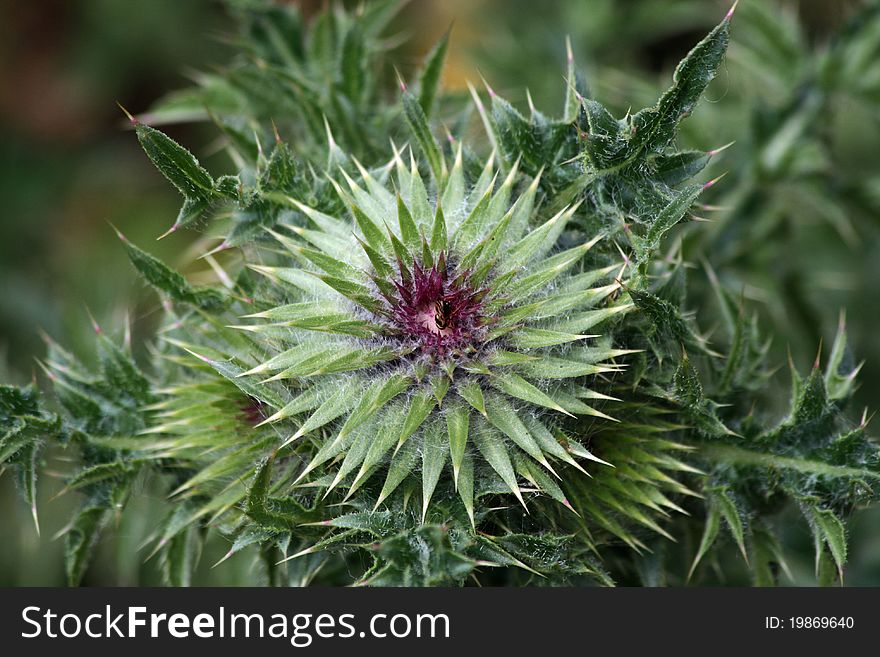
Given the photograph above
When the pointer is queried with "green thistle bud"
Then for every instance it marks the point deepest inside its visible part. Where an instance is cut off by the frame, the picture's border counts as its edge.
(434, 332)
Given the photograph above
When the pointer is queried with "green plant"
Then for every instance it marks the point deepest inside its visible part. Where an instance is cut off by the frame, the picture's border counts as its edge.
(394, 379)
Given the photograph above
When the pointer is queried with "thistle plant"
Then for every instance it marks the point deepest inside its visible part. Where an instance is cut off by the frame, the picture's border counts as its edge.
(465, 359)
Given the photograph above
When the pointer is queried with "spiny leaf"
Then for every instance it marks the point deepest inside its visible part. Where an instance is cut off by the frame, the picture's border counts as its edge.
(655, 127)
(27, 465)
(429, 81)
(376, 396)
(172, 283)
(80, 540)
(182, 169)
(418, 123)
(535, 338)
(374, 235)
(731, 515)
(434, 456)
(439, 237)
(409, 232)
(648, 245)
(504, 418)
(465, 485)
(516, 386)
(334, 406)
(472, 393)
(386, 437)
(402, 464)
(420, 405)
(827, 529)
(491, 446)
(457, 422)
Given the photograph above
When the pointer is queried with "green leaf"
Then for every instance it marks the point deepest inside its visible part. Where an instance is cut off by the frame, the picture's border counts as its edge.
(354, 64)
(420, 406)
(409, 232)
(516, 386)
(418, 197)
(648, 245)
(491, 446)
(338, 403)
(402, 464)
(465, 485)
(429, 81)
(172, 283)
(605, 146)
(504, 418)
(655, 128)
(767, 554)
(178, 559)
(380, 264)
(839, 377)
(710, 533)
(275, 514)
(418, 123)
(434, 456)
(80, 540)
(374, 235)
(386, 437)
(182, 169)
(233, 373)
(439, 386)
(535, 142)
(457, 421)
(27, 467)
(546, 272)
(698, 409)
(306, 314)
(535, 338)
(537, 242)
(353, 291)
(550, 444)
(472, 393)
(814, 467)
(560, 368)
(355, 451)
(454, 191)
(439, 236)
(337, 269)
(376, 396)
(732, 517)
(101, 472)
(676, 168)
(829, 530)
(540, 479)
(308, 400)
(470, 228)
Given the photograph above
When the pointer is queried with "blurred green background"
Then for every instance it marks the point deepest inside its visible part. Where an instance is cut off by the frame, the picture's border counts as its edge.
(798, 228)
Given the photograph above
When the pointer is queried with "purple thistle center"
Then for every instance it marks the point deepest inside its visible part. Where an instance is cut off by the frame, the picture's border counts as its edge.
(251, 410)
(440, 313)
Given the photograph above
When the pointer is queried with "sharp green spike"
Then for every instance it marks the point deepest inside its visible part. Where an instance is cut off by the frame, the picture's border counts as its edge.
(438, 232)
(504, 418)
(402, 465)
(420, 405)
(434, 456)
(457, 422)
(472, 393)
(409, 232)
(491, 446)
(439, 386)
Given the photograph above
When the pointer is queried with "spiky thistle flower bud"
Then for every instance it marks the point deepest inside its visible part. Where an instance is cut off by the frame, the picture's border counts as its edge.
(435, 330)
